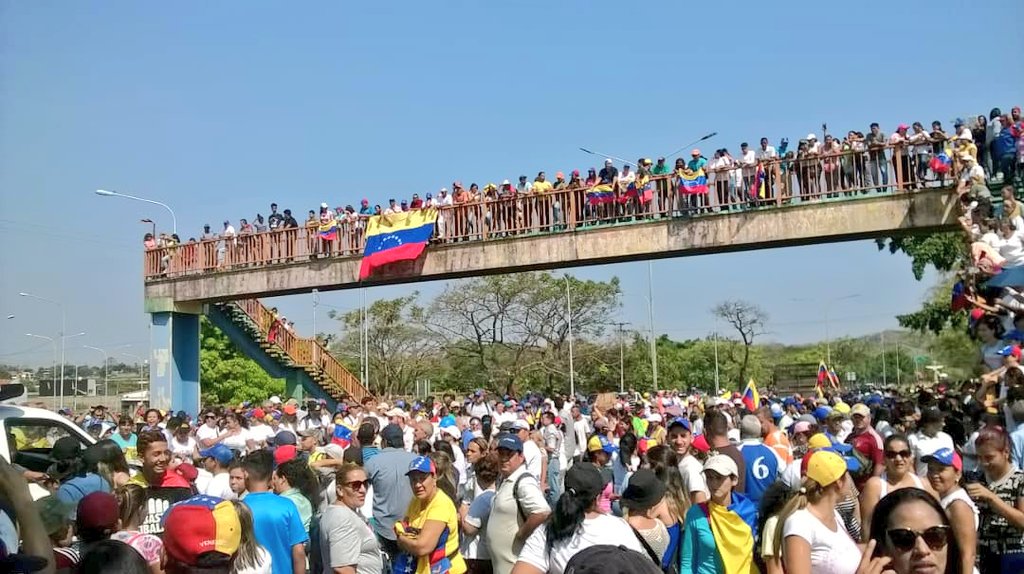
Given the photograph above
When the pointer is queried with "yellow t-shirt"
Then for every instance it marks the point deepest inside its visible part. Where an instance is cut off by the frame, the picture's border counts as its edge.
(442, 509)
(542, 187)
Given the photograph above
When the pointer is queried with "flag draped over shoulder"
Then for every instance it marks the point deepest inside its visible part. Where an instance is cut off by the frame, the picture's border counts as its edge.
(733, 528)
(751, 398)
(396, 237)
(693, 181)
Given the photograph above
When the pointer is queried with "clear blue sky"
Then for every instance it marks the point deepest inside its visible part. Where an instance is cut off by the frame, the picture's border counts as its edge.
(221, 108)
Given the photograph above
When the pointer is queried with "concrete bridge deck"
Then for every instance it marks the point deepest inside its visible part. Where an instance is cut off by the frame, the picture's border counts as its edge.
(866, 216)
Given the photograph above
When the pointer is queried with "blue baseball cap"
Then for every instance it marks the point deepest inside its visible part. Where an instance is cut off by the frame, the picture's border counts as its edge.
(946, 456)
(220, 453)
(776, 410)
(680, 421)
(821, 413)
(510, 442)
(422, 464)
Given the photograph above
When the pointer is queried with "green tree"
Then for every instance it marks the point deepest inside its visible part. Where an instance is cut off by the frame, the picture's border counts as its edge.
(505, 330)
(749, 320)
(227, 376)
(400, 349)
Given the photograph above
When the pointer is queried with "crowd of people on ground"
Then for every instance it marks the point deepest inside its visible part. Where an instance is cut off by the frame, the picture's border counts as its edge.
(912, 157)
(672, 482)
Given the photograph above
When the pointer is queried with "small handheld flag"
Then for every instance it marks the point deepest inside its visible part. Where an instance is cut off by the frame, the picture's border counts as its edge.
(751, 398)
(342, 436)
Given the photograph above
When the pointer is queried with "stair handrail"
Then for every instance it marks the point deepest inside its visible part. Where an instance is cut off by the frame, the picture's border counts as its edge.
(301, 350)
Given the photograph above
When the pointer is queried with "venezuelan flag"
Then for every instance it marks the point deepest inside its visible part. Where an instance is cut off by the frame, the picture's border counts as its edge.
(757, 189)
(600, 194)
(693, 181)
(396, 237)
(751, 398)
(734, 530)
(942, 162)
(342, 436)
(329, 230)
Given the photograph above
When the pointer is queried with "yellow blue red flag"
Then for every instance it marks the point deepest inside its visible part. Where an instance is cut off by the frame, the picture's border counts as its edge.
(396, 237)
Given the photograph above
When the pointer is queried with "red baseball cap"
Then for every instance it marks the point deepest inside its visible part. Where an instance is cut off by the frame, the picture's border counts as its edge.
(284, 453)
(202, 530)
(97, 511)
(701, 443)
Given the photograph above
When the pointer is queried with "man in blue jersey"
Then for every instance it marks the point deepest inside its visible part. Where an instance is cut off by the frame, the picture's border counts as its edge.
(763, 464)
(275, 518)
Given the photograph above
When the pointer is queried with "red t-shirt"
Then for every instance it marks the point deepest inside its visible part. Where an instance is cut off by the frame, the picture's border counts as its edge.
(869, 443)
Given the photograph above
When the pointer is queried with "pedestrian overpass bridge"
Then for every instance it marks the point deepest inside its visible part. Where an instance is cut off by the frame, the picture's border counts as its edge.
(555, 230)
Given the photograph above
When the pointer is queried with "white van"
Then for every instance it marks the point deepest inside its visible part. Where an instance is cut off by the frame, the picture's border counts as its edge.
(29, 434)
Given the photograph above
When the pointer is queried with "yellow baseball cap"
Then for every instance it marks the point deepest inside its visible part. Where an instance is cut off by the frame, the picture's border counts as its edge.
(819, 440)
(843, 408)
(824, 467)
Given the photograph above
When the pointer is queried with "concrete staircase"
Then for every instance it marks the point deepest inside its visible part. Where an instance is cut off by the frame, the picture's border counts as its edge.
(300, 361)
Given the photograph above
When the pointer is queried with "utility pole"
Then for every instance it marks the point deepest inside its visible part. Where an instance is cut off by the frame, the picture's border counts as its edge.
(884, 376)
(718, 391)
(568, 308)
(622, 357)
(650, 317)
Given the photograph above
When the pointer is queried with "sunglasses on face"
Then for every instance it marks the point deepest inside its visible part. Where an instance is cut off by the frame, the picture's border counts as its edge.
(897, 453)
(904, 539)
(358, 484)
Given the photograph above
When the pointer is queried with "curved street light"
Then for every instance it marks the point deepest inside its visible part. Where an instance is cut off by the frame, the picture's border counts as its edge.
(108, 193)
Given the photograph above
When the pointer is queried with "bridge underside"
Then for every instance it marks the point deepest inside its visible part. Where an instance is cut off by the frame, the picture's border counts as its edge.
(869, 217)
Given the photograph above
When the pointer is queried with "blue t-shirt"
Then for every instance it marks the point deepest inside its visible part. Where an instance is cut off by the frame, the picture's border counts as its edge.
(277, 526)
(128, 445)
(75, 489)
(763, 467)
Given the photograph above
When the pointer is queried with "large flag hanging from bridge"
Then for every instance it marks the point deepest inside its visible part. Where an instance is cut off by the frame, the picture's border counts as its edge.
(396, 237)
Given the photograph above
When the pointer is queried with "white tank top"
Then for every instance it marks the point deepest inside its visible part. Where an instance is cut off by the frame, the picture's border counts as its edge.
(885, 484)
(960, 494)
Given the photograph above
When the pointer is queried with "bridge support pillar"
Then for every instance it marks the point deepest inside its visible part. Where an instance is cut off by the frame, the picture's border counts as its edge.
(293, 386)
(174, 356)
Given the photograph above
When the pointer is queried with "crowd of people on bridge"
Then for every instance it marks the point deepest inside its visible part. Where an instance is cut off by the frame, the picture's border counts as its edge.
(912, 157)
(673, 482)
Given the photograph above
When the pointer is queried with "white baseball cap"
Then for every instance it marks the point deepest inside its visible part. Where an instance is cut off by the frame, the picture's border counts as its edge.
(722, 464)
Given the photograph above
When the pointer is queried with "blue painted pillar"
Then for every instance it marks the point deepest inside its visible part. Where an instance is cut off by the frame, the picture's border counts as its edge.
(174, 361)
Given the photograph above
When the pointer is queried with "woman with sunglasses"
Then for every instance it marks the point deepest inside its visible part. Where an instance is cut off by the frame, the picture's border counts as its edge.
(1000, 498)
(945, 470)
(347, 543)
(429, 534)
(912, 531)
(898, 473)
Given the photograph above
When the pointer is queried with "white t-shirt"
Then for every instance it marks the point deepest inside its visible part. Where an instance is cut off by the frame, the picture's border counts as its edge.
(219, 485)
(206, 431)
(832, 552)
(534, 461)
(693, 477)
(603, 529)
(261, 432)
(238, 441)
(263, 563)
(923, 445)
(183, 450)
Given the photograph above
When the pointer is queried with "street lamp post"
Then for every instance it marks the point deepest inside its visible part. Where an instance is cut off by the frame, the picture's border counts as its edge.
(650, 317)
(152, 225)
(174, 221)
(568, 307)
(137, 358)
(53, 367)
(63, 336)
(622, 359)
(106, 360)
